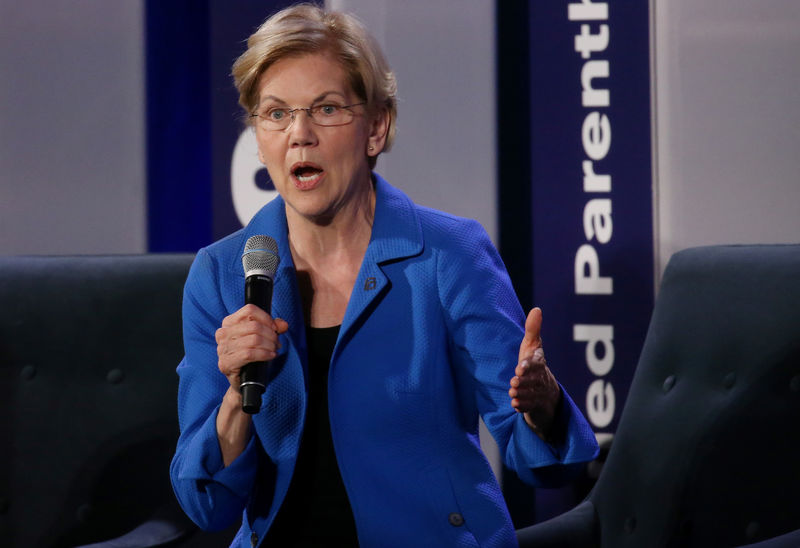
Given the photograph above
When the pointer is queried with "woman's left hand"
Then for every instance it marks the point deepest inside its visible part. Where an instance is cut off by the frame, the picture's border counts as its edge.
(534, 390)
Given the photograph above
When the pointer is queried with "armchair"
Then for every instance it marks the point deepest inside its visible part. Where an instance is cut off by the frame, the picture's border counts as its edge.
(88, 351)
(707, 452)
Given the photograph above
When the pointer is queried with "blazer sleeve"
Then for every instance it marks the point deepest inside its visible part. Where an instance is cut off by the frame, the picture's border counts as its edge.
(212, 495)
(485, 321)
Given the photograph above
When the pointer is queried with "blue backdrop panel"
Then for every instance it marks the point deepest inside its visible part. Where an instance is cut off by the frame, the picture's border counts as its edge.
(231, 24)
(591, 200)
(193, 119)
(592, 194)
(178, 125)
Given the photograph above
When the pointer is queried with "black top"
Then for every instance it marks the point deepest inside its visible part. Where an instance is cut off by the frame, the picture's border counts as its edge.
(316, 511)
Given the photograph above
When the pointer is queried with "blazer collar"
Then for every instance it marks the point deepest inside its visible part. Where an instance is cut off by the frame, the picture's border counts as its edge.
(396, 230)
(396, 234)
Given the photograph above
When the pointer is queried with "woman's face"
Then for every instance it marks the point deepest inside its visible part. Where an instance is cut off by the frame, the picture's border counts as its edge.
(317, 170)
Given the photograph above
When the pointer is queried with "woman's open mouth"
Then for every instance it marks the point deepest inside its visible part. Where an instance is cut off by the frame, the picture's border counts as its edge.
(306, 175)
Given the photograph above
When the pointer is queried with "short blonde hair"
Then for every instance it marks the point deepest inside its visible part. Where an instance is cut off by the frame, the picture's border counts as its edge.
(308, 28)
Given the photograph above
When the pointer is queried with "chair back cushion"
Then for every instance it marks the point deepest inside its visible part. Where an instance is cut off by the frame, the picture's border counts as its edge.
(88, 351)
(707, 452)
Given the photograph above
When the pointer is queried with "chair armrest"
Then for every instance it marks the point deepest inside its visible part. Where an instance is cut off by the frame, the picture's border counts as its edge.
(150, 534)
(789, 540)
(574, 529)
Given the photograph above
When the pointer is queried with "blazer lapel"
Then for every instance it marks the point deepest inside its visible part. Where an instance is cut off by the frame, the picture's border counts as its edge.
(280, 426)
(286, 304)
(396, 234)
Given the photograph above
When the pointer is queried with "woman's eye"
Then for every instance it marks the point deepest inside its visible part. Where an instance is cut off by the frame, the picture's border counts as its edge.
(328, 110)
(276, 114)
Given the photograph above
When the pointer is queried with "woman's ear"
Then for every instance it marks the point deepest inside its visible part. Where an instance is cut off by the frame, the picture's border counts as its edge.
(378, 130)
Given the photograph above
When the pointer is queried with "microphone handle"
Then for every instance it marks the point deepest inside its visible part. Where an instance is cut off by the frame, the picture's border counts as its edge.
(257, 291)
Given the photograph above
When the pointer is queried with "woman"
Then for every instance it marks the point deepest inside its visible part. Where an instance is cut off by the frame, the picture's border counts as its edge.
(394, 328)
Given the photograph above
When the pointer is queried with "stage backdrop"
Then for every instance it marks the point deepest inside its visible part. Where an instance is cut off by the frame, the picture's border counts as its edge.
(204, 178)
(575, 157)
(591, 197)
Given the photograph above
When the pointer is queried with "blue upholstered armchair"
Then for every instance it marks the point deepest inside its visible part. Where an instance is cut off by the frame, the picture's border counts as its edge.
(707, 452)
(88, 351)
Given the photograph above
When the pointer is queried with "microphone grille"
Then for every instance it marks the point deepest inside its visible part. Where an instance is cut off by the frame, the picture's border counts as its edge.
(260, 256)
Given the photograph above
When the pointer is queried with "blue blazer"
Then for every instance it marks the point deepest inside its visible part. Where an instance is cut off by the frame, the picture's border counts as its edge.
(428, 343)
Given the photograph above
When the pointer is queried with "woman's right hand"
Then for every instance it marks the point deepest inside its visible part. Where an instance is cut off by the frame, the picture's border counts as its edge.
(248, 335)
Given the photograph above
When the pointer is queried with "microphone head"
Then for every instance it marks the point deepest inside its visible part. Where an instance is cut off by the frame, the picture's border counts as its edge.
(260, 256)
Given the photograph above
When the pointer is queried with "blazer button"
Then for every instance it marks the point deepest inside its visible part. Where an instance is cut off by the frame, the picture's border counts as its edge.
(253, 539)
(456, 519)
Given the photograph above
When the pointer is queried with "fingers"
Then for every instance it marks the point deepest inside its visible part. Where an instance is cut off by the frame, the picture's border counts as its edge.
(533, 326)
(534, 361)
(246, 349)
(532, 384)
(533, 389)
(533, 334)
(246, 331)
(249, 312)
(281, 326)
(248, 335)
(250, 319)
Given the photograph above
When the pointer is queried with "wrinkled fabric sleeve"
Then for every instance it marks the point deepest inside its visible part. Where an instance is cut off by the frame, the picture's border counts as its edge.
(212, 495)
(485, 321)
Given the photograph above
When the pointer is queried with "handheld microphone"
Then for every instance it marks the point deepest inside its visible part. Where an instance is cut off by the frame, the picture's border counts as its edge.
(260, 261)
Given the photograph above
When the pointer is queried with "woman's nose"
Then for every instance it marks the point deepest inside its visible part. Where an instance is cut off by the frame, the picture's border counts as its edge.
(301, 129)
